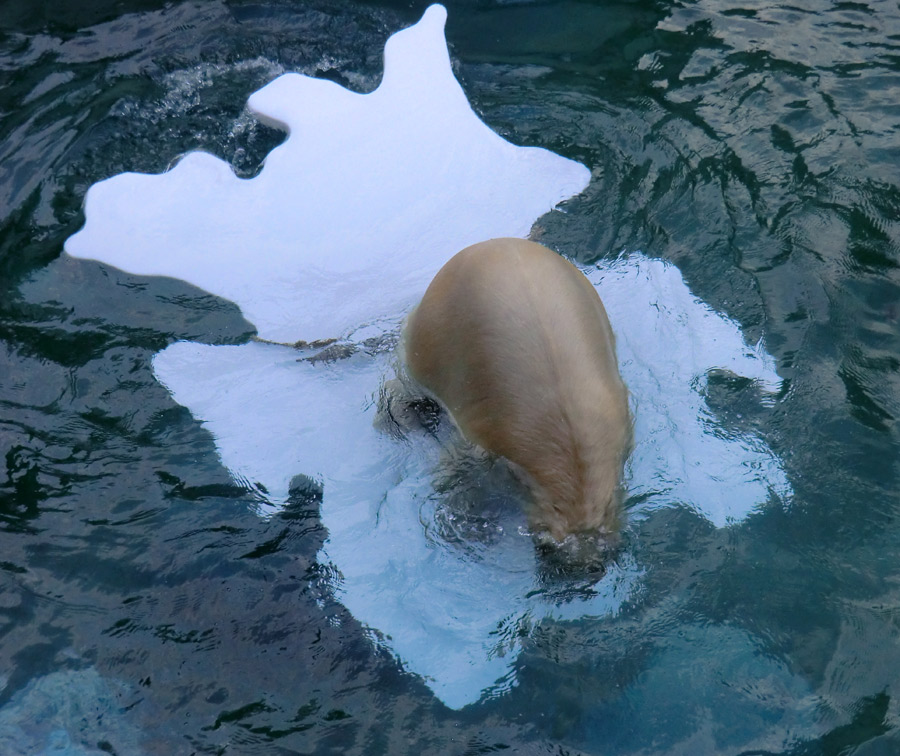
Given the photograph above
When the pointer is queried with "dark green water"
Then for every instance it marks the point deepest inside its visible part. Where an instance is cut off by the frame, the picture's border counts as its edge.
(144, 607)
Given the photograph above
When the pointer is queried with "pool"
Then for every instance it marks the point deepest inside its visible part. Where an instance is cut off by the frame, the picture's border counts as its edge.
(156, 599)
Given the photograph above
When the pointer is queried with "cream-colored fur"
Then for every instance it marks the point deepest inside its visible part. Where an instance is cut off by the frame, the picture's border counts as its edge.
(514, 341)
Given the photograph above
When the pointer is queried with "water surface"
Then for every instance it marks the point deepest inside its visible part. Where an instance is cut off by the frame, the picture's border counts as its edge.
(146, 608)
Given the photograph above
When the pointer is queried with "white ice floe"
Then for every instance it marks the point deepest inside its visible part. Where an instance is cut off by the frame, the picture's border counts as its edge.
(352, 216)
(668, 342)
(337, 237)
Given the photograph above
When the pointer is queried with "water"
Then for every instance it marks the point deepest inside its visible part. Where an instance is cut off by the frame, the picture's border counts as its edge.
(145, 607)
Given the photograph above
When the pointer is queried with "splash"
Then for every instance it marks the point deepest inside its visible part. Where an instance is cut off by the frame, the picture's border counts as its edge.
(337, 238)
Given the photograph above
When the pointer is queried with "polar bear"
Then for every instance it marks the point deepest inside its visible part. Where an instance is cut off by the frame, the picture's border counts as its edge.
(513, 341)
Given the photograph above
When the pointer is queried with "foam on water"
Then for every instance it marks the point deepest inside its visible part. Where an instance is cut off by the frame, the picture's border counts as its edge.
(337, 237)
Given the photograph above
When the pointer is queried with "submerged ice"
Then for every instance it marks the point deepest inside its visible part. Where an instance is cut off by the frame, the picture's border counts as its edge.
(337, 238)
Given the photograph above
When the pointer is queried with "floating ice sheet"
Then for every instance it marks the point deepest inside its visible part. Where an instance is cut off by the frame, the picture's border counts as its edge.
(668, 342)
(352, 216)
(337, 237)
(453, 614)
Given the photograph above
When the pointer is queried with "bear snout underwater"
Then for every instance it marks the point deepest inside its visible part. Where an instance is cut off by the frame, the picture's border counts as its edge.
(514, 342)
